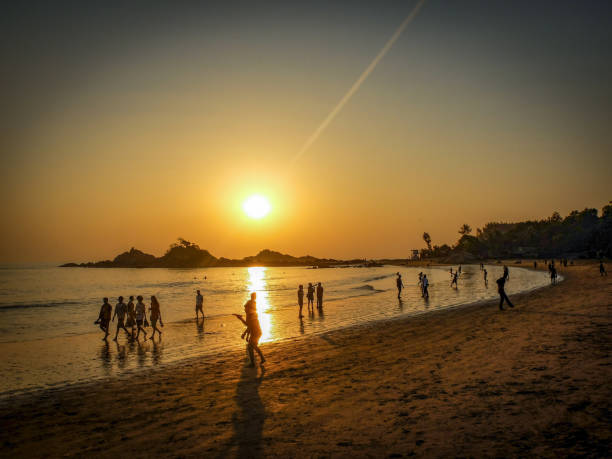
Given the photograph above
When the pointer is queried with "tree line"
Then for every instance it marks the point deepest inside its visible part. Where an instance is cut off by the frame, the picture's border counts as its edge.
(581, 234)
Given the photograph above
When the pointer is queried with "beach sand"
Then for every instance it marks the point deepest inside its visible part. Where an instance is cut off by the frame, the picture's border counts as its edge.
(474, 381)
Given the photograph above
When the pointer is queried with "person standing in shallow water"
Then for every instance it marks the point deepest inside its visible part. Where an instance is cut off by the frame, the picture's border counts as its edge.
(199, 304)
(319, 296)
(131, 316)
(105, 317)
(400, 285)
(155, 316)
(310, 296)
(502, 293)
(253, 328)
(300, 297)
(425, 286)
(454, 281)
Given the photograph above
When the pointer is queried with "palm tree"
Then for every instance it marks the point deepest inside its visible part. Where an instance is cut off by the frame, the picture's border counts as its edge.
(427, 239)
(465, 229)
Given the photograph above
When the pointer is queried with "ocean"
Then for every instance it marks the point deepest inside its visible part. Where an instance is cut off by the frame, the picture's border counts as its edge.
(48, 338)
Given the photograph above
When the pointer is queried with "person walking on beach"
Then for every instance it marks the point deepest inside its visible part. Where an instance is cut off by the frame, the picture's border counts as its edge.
(602, 269)
(104, 317)
(400, 285)
(553, 275)
(131, 316)
(310, 296)
(199, 304)
(424, 287)
(484, 273)
(155, 316)
(300, 295)
(459, 270)
(120, 312)
(420, 283)
(140, 316)
(506, 273)
(502, 293)
(253, 328)
(319, 296)
(535, 265)
(454, 281)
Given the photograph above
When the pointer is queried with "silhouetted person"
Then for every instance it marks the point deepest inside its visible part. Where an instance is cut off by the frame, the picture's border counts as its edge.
(131, 317)
(199, 304)
(502, 294)
(506, 273)
(104, 317)
(300, 296)
(310, 296)
(120, 312)
(484, 273)
(454, 281)
(253, 328)
(140, 311)
(400, 284)
(553, 275)
(155, 316)
(420, 283)
(459, 270)
(602, 269)
(425, 287)
(319, 296)
(535, 265)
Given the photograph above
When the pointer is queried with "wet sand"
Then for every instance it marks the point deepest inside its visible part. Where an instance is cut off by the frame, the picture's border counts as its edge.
(475, 381)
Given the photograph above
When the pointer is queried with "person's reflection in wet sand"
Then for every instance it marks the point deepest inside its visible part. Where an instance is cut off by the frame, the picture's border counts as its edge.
(249, 418)
(401, 304)
(301, 326)
(200, 328)
(158, 348)
(142, 353)
(121, 355)
(105, 358)
(321, 314)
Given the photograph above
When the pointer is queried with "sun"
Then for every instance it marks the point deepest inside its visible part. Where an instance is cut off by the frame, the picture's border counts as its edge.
(256, 206)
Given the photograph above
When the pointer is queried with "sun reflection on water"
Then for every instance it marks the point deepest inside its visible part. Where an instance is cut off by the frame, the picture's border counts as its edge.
(257, 283)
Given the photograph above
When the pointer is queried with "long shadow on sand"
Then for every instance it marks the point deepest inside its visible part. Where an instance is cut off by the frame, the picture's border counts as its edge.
(249, 419)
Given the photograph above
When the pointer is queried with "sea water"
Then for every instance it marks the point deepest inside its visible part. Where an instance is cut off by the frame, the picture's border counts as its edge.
(48, 337)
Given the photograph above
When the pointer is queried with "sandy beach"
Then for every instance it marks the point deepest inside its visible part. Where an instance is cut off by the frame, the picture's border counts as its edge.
(474, 381)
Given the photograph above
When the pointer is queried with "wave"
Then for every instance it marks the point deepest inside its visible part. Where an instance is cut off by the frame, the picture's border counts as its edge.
(52, 304)
(365, 287)
(386, 276)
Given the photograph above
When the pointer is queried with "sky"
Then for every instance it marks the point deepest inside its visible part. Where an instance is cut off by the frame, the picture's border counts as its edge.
(134, 123)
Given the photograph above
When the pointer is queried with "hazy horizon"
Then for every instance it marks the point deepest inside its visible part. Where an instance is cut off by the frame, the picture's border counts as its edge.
(129, 125)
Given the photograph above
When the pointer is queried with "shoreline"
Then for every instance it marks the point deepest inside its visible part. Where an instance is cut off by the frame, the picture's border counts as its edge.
(217, 353)
(465, 381)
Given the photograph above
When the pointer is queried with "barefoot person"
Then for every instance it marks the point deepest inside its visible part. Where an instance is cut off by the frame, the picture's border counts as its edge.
(155, 316)
(140, 316)
(319, 296)
(310, 296)
(300, 296)
(199, 304)
(104, 317)
(253, 328)
(425, 286)
(131, 316)
(502, 294)
(400, 285)
(484, 273)
(120, 312)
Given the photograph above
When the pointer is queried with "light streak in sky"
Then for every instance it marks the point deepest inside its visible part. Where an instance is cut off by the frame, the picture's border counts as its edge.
(353, 89)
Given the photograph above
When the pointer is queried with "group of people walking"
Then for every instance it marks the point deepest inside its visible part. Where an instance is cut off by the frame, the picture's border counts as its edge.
(130, 315)
(310, 296)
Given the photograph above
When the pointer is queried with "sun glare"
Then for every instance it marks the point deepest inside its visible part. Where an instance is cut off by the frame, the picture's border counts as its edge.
(256, 206)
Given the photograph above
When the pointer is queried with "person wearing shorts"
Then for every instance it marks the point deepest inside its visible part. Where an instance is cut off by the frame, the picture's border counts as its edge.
(120, 313)
(140, 316)
(199, 304)
(105, 317)
(155, 316)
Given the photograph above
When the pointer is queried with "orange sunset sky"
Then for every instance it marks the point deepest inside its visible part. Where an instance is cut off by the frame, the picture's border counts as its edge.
(132, 125)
